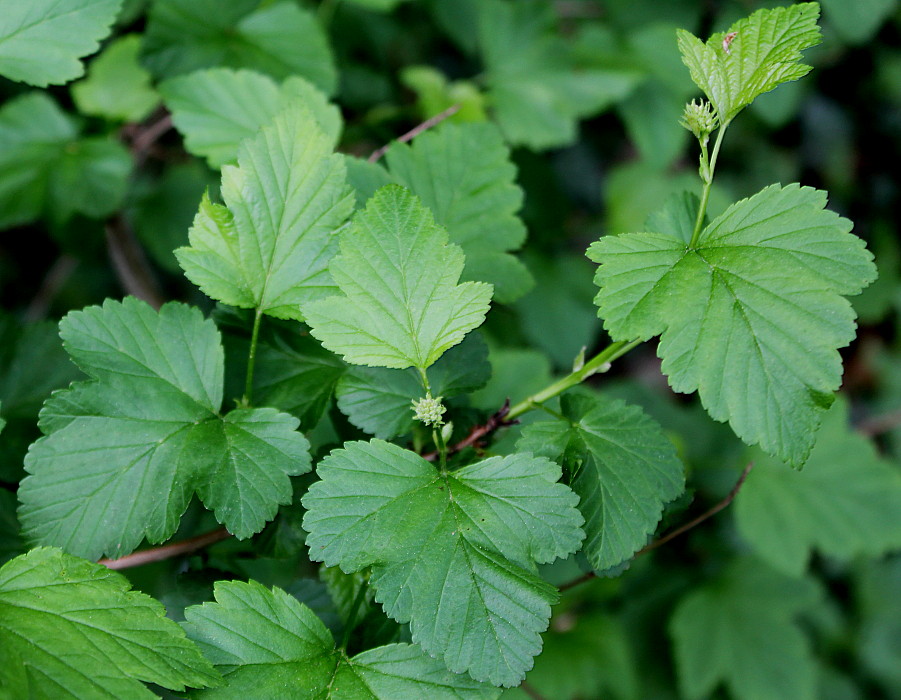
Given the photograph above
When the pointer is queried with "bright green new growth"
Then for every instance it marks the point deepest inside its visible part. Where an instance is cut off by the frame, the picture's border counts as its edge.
(216, 109)
(846, 502)
(452, 554)
(621, 465)
(267, 644)
(70, 628)
(401, 305)
(752, 317)
(42, 40)
(125, 451)
(756, 55)
(269, 247)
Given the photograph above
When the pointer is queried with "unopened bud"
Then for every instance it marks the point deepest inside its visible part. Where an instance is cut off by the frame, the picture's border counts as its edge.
(699, 119)
(429, 411)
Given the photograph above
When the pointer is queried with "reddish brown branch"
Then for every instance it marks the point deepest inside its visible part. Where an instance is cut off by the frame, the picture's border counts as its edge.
(479, 433)
(877, 425)
(530, 691)
(416, 131)
(143, 137)
(131, 266)
(167, 551)
(679, 530)
(56, 277)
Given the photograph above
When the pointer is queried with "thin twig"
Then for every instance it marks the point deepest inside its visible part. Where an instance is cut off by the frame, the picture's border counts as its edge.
(144, 136)
(579, 9)
(530, 691)
(167, 551)
(130, 263)
(416, 131)
(478, 433)
(877, 425)
(679, 530)
(54, 280)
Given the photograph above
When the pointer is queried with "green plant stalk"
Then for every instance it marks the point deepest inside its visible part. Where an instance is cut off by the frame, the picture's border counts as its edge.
(352, 616)
(709, 168)
(252, 358)
(593, 366)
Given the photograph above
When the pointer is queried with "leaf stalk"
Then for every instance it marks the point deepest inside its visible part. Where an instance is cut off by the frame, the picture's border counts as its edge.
(707, 169)
(252, 357)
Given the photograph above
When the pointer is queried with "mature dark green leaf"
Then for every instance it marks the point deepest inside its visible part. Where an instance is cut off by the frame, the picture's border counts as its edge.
(216, 109)
(73, 629)
(125, 451)
(453, 554)
(269, 247)
(42, 40)
(267, 644)
(739, 630)
(401, 305)
(846, 501)
(752, 317)
(621, 465)
(856, 22)
(276, 38)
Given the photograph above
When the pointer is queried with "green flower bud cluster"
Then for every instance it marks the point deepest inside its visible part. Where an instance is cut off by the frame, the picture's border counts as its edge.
(429, 411)
(699, 119)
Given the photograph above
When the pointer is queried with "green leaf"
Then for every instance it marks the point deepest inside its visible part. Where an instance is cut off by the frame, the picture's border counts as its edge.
(453, 553)
(463, 173)
(846, 502)
(739, 630)
(216, 109)
(378, 400)
(764, 52)
(42, 40)
(117, 86)
(401, 305)
(75, 630)
(269, 247)
(276, 38)
(125, 452)
(752, 317)
(46, 169)
(621, 465)
(856, 22)
(536, 90)
(268, 644)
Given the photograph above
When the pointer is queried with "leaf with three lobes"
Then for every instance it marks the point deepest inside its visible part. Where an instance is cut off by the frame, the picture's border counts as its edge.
(42, 40)
(846, 502)
(71, 628)
(739, 630)
(216, 109)
(401, 305)
(125, 451)
(752, 318)
(268, 644)
(621, 465)
(269, 247)
(757, 54)
(452, 554)
(377, 399)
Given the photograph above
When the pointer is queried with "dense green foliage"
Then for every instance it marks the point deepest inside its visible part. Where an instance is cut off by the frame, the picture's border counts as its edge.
(360, 411)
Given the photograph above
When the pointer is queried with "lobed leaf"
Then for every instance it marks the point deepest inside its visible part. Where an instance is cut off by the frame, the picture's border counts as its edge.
(268, 644)
(73, 629)
(453, 554)
(125, 451)
(401, 305)
(752, 318)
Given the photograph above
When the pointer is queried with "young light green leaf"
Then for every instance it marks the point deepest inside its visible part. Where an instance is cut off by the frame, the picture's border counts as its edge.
(46, 169)
(452, 554)
(401, 305)
(378, 400)
(216, 109)
(42, 40)
(752, 318)
(621, 465)
(276, 38)
(125, 451)
(463, 173)
(739, 631)
(756, 55)
(268, 644)
(117, 86)
(269, 247)
(846, 502)
(75, 630)
(534, 86)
